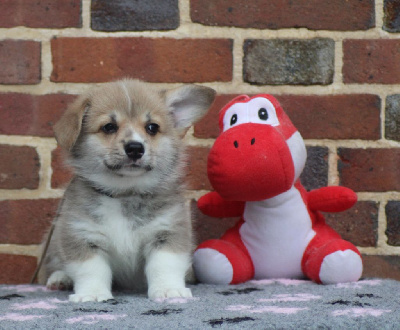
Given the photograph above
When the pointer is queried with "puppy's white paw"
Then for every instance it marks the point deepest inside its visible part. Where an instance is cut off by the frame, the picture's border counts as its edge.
(90, 297)
(162, 293)
(59, 281)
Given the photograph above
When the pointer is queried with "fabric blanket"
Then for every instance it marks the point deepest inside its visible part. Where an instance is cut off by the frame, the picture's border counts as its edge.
(267, 304)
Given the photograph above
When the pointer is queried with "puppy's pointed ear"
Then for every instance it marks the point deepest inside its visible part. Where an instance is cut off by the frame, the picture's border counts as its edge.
(188, 104)
(68, 128)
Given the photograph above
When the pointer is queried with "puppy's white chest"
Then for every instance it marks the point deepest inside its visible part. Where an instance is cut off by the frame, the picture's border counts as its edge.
(122, 237)
(125, 239)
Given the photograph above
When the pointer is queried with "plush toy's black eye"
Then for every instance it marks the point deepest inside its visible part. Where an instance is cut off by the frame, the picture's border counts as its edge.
(263, 114)
(234, 119)
(110, 128)
(152, 128)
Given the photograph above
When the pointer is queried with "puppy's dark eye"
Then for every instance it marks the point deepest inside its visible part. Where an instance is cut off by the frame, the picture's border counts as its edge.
(152, 128)
(110, 128)
(263, 114)
(234, 119)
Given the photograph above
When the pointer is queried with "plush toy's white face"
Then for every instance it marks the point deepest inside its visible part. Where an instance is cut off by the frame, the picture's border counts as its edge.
(259, 153)
(258, 111)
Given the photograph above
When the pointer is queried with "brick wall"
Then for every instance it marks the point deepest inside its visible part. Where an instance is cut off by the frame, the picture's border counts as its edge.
(334, 65)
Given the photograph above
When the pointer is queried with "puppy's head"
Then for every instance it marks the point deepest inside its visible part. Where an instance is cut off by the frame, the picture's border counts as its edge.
(129, 130)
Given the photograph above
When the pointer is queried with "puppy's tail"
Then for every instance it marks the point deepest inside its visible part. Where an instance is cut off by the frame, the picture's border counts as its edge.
(46, 246)
(39, 266)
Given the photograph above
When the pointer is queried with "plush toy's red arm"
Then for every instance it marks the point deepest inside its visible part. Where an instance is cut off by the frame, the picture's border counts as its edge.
(331, 199)
(213, 205)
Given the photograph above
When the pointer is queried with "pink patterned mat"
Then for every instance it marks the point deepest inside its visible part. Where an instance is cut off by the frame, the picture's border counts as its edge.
(268, 304)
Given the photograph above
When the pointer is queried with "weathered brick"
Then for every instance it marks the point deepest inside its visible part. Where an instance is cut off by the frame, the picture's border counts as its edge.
(393, 223)
(62, 174)
(40, 13)
(353, 116)
(154, 60)
(374, 170)
(34, 115)
(338, 15)
(369, 61)
(19, 62)
(140, 15)
(392, 117)
(206, 227)
(26, 221)
(289, 61)
(16, 269)
(391, 18)
(197, 168)
(376, 266)
(19, 167)
(315, 173)
(358, 225)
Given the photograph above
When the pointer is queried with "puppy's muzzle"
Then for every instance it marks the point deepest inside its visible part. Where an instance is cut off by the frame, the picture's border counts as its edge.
(134, 150)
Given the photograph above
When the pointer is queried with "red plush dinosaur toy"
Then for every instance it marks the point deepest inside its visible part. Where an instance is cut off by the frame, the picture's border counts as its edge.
(254, 167)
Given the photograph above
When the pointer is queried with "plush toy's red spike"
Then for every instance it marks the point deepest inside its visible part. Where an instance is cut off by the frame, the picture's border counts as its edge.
(257, 160)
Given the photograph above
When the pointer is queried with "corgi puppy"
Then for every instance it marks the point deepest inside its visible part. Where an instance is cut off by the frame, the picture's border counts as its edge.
(123, 221)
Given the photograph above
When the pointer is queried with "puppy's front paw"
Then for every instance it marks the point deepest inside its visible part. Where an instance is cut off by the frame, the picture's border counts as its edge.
(90, 297)
(162, 293)
(59, 281)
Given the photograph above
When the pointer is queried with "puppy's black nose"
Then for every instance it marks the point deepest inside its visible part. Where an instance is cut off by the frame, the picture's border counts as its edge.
(134, 150)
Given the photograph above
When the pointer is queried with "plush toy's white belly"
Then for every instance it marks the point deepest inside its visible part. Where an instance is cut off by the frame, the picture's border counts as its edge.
(276, 233)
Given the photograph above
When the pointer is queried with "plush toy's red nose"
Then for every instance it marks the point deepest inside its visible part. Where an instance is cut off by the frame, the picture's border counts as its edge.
(250, 162)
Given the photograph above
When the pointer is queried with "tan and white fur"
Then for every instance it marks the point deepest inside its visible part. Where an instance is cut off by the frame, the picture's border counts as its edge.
(123, 220)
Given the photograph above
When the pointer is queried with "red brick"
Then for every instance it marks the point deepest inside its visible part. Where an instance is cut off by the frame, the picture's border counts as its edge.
(206, 227)
(34, 115)
(62, 174)
(26, 221)
(371, 61)
(197, 169)
(358, 225)
(154, 60)
(355, 116)
(19, 62)
(338, 15)
(381, 267)
(16, 269)
(19, 167)
(374, 170)
(40, 13)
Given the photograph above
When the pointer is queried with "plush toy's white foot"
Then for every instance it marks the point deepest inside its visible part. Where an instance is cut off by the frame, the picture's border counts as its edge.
(59, 281)
(341, 267)
(212, 267)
